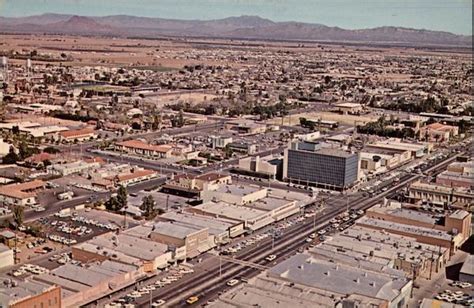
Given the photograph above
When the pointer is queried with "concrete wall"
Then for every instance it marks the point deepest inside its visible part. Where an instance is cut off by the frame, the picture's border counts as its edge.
(196, 241)
(86, 256)
(6, 258)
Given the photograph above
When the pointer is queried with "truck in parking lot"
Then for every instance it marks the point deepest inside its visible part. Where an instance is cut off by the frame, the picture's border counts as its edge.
(66, 195)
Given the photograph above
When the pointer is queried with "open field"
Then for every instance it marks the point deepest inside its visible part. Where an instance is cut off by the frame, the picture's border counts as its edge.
(164, 54)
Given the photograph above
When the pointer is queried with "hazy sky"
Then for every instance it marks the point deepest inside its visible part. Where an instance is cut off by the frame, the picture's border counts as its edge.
(446, 15)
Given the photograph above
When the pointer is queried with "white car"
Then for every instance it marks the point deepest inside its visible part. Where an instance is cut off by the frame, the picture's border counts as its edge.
(270, 258)
(158, 303)
(134, 294)
(232, 282)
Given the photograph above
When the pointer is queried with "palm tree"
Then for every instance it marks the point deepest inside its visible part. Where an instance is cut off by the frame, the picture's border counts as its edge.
(18, 215)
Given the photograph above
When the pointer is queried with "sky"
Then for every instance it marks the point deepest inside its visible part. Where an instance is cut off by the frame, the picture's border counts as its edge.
(444, 15)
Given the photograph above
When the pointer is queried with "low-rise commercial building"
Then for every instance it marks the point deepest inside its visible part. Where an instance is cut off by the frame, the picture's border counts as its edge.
(132, 177)
(466, 273)
(72, 167)
(252, 218)
(243, 147)
(342, 280)
(251, 128)
(76, 135)
(235, 194)
(194, 185)
(455, 223)
(458, 174)
(421, 234)
(220, 228)
(349, 108)
(440, 194)
(30, 293)
(21, 193)
(376, 250)
(220, 142)
(144, 149)
(86, 283)
(438, 132)
(195, 240)
(374, 158)
(6, 256)
(416, 149)
(261, 167)
(8, 238)
(127, 248)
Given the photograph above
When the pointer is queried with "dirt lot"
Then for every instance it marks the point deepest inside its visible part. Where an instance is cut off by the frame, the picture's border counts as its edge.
(90, 51)
(44, 120)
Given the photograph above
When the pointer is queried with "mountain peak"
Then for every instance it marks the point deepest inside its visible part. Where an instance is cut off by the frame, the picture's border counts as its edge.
(79, 24)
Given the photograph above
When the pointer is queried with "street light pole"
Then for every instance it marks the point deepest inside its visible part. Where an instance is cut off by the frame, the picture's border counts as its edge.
(273, 239)
(220, 266)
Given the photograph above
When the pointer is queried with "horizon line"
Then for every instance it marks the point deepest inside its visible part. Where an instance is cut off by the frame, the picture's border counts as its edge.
(238, 16)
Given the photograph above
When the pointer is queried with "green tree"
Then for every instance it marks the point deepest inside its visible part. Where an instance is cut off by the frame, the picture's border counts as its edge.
(18, 215)
(121, 197)
(23, 150)
(112, 204)
(11, 157)
(303, 122)
(228, 151)
(51, 150)
(148, 207)
(15, 130)
(157, 120)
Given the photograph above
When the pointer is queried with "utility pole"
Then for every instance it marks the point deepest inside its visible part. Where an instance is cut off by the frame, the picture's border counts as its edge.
(273, 239)
(431, 264)
(220, 265)
(314, 221)
(347, 203)
(125, 218)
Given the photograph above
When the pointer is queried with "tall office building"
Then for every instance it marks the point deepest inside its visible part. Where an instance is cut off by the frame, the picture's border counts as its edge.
(309, 164)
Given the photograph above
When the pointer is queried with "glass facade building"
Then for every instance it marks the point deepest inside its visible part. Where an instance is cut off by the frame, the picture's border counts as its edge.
(330, 167)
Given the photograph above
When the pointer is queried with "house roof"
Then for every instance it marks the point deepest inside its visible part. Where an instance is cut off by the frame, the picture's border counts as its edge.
(136, 144)
(20, 190)
(77, 132)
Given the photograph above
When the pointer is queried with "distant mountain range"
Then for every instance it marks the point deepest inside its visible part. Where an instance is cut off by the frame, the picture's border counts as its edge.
(243, 27)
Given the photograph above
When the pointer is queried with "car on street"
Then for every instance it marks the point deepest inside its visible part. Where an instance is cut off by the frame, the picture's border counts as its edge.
(191, 300)
(158, 303)
(270, 258)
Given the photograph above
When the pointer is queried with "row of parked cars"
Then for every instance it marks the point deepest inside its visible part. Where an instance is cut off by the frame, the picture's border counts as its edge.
(62, 258)
(65, 227)
(237, 247)
(62, 239)
(276, 232)
(29, 268)
(146, 290)
(456, 297)
(92, 222)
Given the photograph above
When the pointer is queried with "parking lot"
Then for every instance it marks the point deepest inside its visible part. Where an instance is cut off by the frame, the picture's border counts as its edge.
(73, 227)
